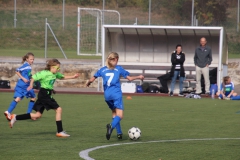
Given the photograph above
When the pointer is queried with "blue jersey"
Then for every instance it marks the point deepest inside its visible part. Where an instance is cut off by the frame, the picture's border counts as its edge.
(227, 89)
(111, 81)
(25, 71)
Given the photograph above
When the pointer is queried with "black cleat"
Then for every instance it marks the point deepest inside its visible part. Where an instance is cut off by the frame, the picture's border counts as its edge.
(119, 136)
(109, 131)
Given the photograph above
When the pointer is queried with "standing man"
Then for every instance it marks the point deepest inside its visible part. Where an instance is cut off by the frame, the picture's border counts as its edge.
(202, 60)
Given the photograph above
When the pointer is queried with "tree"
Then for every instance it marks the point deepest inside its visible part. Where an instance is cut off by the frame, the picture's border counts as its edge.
(211, 12)
(208, 12)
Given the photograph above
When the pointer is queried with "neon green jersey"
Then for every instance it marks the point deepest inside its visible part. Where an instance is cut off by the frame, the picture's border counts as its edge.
(47, 78)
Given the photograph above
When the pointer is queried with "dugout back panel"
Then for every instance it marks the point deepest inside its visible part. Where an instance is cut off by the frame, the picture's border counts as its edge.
(153, 45)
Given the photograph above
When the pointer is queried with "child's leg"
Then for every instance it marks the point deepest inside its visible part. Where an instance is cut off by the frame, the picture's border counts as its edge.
(118, 128)
(24, 117)
(13, 104)
(30, 105)
(60, 132)
(32, 95)
(116, 120)
(235, 97)
(59, 119)
(220, 96)
(28, 116)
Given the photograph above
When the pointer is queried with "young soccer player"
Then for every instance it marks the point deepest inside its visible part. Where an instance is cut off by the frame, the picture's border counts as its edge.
(45, 100)
(226, 89)
(24, 73)
(111, 74)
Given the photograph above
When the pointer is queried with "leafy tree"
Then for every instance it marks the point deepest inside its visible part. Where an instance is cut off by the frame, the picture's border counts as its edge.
(208, 12)
(211, 12)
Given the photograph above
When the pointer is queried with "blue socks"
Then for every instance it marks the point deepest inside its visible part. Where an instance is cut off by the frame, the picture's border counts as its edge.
(12, 106)
(30, 106)
(236, 97)
(115, 121)
(118, 127)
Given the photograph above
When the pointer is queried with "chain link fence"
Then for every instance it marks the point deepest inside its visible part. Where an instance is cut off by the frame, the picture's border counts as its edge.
(30, 24)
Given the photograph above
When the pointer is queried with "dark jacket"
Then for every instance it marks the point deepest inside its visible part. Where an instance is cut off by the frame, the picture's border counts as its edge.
(203, 57)
(176, 61)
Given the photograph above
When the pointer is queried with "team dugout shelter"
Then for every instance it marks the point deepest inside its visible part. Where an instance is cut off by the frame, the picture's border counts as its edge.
(153, 45)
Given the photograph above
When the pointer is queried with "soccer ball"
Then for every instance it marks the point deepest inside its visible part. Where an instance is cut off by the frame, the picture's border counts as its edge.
(134, 133)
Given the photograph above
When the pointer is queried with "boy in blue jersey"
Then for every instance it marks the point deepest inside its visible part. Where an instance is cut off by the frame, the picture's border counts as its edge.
(226, 89)
(111, 74)
(24, 74)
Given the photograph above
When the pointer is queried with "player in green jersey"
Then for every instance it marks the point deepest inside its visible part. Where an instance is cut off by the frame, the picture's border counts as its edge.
(45, 100)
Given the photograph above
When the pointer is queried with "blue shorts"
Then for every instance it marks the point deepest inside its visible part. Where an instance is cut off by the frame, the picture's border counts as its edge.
(116, 103)
(21, 93)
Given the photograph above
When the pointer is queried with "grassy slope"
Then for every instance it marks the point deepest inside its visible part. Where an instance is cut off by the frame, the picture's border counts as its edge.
(30, 31)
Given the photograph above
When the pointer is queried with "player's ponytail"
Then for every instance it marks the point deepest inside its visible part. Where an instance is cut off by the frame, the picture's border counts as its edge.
(25, 57)
(51, 62)
(111, 56)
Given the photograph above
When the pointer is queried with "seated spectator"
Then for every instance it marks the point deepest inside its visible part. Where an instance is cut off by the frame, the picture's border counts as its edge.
(226, 89)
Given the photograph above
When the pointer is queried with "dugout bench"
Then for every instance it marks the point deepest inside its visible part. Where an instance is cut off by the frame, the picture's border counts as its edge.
(153, 71)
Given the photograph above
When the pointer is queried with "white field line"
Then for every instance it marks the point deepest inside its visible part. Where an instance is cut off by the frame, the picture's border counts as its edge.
(84, 154)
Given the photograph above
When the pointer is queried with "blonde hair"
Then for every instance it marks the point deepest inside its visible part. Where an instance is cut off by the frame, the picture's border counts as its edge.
(50, 63)
(109, 57)
(225, 79)
(25, 57)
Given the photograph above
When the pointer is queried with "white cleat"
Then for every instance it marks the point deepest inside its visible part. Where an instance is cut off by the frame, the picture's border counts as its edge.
(7, 115)
(62, 134)
(13, 120)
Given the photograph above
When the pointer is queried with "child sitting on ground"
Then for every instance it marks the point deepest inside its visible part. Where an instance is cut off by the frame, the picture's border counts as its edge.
(226, 89)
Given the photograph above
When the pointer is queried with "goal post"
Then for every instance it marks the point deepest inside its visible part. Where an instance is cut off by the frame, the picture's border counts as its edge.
(89, 25)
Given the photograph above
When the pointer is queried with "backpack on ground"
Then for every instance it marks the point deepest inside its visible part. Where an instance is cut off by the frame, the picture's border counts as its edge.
(153, 89)
(145, 86)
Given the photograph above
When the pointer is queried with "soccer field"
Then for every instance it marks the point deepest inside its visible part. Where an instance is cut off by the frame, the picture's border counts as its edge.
(172, 128)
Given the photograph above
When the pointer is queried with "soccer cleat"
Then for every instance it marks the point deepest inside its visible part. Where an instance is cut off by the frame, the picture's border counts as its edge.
(171, 94)
(227, 98)
(8, 115)
(109, 131)
(13, 120)
(119, 136)
(181, 94)
(62, 134)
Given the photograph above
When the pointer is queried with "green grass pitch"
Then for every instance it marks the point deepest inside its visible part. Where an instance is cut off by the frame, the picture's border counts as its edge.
(159, 118)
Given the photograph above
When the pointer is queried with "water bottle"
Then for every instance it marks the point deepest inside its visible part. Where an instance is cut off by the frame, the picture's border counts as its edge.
(213, 94)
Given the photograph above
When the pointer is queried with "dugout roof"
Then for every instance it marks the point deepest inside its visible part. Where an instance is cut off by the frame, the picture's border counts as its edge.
(153, 45)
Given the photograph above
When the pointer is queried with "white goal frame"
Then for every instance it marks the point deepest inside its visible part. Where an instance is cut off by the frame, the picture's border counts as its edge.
(99, 23)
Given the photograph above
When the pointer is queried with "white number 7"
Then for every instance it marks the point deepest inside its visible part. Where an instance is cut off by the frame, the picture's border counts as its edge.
(110, 78)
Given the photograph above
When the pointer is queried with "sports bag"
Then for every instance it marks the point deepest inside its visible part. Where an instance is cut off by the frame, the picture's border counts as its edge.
(153, 89)
(5, 84)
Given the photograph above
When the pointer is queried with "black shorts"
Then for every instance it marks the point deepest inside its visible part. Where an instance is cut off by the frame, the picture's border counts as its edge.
(45, 101)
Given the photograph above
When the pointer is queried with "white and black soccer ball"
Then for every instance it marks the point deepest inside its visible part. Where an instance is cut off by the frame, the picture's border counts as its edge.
(134, 133)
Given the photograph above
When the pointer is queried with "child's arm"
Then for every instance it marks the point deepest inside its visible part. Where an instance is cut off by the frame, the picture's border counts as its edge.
(221, 93)
(231, 93)
(90, 81)
(31, 84)
(71, 77)
(135, 77)
(20, 76)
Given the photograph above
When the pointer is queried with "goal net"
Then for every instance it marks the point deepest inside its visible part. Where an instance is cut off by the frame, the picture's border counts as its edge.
(90, 21)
